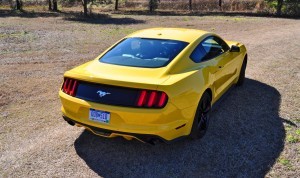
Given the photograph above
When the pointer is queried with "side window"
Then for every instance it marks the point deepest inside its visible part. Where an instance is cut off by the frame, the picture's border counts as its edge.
(198, 54)
(210, 48)
(222, 43)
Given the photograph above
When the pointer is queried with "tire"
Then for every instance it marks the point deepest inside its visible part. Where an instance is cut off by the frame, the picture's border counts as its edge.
(202, 116)
(241, 79)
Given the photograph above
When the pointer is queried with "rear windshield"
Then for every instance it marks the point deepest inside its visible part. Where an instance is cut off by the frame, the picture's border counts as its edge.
(143, 52)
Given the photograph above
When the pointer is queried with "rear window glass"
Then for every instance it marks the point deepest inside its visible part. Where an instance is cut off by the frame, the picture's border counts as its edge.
(143, 52)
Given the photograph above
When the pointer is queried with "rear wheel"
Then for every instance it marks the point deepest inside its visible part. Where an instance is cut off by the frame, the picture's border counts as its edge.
(241, 80)
(201, 120)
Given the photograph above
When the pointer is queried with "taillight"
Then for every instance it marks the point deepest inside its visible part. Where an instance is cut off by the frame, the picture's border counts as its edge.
(152, 99)
(70, 86)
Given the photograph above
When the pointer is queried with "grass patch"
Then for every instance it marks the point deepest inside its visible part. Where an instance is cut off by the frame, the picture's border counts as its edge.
(186, 18)
(118, 31)
(292, 139)
(288, 127)
(239, 19)
(14, 34)
(284, 161)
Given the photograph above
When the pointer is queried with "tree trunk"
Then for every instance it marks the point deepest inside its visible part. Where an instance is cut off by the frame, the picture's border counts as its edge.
(116, 5)
(151, 5)
(85, 10)
(279, 6)
(190, 5)
(19, 4)
(49, 5)
(55, 5)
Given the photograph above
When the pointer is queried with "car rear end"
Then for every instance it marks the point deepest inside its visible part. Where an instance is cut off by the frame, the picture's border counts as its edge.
(106, 110)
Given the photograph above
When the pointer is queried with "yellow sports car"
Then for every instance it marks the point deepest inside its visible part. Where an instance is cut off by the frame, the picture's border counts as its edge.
(153, 85)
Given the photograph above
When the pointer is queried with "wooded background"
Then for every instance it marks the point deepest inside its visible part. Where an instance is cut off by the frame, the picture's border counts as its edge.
(273, 7)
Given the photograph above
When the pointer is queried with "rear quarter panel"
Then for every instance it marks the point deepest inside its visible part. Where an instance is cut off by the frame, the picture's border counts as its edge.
(240, 56)
(184, 89)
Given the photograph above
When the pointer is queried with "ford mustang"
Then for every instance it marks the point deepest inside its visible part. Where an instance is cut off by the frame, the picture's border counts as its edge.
(153, 85)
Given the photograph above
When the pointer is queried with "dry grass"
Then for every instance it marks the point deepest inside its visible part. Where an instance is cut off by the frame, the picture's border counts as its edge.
(254, 132)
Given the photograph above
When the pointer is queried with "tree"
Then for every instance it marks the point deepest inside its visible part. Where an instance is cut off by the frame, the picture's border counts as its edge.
(278, 4)
(49, 5)
(292, 7)
(190, 5)
(54, 5)
(19, 4)
(153, 4)
(85, 10)
(279, 7)
(116, 5)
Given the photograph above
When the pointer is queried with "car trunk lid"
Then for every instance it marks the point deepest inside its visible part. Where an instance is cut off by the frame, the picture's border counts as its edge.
(133, 77)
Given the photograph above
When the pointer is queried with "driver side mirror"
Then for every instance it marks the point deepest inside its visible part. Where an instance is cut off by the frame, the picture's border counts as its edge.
(234, 48)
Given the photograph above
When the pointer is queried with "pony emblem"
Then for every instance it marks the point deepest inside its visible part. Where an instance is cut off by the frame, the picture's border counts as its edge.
(102, 93)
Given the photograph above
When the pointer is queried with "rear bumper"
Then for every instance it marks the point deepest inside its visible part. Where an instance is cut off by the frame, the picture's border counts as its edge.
(145, 125)
(145, 138)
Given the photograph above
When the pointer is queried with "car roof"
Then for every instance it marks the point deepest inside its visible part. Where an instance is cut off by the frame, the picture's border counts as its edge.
(180, 34)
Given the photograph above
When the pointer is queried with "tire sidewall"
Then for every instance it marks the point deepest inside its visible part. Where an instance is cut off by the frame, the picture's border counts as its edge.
(194, 130)
(242, 73)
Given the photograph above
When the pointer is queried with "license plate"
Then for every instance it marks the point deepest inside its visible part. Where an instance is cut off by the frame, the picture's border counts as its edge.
(99, 116)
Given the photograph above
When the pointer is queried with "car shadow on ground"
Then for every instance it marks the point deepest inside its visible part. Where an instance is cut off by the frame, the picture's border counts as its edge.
(245, 138)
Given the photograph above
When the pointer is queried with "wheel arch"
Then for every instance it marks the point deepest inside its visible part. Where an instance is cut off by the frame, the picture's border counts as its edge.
(209, 91)
(193, 133)
(246, 57)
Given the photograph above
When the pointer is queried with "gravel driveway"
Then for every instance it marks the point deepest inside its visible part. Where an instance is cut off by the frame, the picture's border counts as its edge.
(253, 132)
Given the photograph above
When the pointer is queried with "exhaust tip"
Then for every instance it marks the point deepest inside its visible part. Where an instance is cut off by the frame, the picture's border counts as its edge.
(153, 141)
(69, 121)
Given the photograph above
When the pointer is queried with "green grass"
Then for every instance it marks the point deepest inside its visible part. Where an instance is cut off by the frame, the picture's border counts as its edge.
(186, 18)
(239, 19)
(292, 139)
(284, 161)
(14, 34)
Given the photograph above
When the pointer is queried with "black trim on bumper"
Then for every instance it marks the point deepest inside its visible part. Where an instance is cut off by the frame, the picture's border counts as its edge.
(146, 138)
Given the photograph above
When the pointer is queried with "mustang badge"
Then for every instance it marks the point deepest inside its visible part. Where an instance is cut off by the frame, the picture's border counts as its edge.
(102, 93)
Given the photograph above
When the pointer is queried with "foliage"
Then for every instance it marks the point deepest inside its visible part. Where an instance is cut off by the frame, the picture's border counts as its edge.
(287, 7)
(153, 4)
(290, 7)
(292, 139)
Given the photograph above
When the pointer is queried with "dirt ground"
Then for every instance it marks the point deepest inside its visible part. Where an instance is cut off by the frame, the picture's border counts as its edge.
(253, 133)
